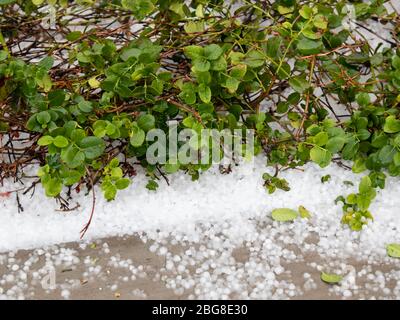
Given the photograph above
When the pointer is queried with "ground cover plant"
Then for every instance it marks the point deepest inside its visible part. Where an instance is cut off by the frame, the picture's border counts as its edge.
(83, 82)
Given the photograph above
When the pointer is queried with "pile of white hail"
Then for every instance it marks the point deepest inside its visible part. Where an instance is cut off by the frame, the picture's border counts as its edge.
(216, 237)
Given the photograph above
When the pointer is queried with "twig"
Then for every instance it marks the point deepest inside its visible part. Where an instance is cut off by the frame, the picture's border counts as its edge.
(163, 175)
(86, 227)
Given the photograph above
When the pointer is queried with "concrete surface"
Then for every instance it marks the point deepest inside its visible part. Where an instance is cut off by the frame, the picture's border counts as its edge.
(111, 282)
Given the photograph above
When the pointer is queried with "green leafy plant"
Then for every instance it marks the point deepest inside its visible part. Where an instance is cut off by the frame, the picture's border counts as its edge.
(113, 180)
(355, 206)
(272, 183)
(90, 93)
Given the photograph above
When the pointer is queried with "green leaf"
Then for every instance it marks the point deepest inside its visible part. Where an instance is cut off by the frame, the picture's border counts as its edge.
(122, 183)
(45, 141)
(43, 117)
(158, 86)
(77, 135)
(335, 144)
(188, 95)
(396, 62)
(308, 47)
(254, 59)
(299, 83)
(204, 93)
(232, 84)
(348, 183)
(313, 129)
(129, 53)
(109, 191)
(194, 52)
(199, 11)
(320, 156)
(123, 91)
(326, 178)
(139, 8)
(4, 126)
(331, 278)
(201, 65)
(4, 2)
(3, 55)
(137, 138)
(92, 146)
(311, 34)
(203, 77)
(72, 156)
(285, 10)
(116, 173)
(379, 140)
(60, 142)
(111, 129)
(396, 141)
(386, 154)
(219, 64)
(114, 163)
(43, 81)
(359, 165)
(392, 125)
(363, 134)
(71, 177)
(94, 83)
(377, 59)
(46, 63)
(194, 26)
(53, 187)
(56, 97)
(396, 159)
(189, 122)
(304, 213)
(321, 139)
(363, 99)
(85, 106)
(37, 2)
(74, 35)
(152, 185)
(238, 72)
(284, 214)
(320, 21)
(365, 184)
(83, 57)
(363, 202)
(350, 149)
(272, 47)
(171, 167)
(351, 198)
(33, 125)
(146, 122)
(306, 12)
(393, 250)
(236, 57)
(212, 51)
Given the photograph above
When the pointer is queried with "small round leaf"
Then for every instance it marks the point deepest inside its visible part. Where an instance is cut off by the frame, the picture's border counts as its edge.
(60, 142)
(331, 278)
(393, 250)
(45, 141)
(284, 214)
